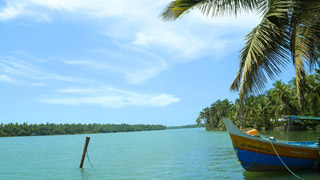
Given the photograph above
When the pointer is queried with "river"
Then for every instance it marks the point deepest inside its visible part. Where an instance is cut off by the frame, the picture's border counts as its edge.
(168, 154)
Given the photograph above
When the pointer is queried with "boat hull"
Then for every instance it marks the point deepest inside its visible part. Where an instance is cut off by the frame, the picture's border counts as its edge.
(253, 161)
(258, 154)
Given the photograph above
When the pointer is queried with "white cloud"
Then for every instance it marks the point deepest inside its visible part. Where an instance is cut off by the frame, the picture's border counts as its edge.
(9, 12)
(110, 97)
(187, 45)
(149, 45)
(148, 9)
(38, 9)
(8, 79)
(139, 19)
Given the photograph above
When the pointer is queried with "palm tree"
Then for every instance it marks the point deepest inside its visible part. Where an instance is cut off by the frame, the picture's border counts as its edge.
(288, 32)
(257, 111)
(313, 93)
(283, 99)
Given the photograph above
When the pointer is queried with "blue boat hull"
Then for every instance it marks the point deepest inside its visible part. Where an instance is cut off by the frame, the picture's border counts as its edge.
(254, 161)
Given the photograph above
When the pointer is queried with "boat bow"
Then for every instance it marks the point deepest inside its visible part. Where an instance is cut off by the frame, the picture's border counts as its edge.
(258, 153)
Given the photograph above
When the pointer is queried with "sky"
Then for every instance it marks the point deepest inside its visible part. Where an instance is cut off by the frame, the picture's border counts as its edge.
(106, 61)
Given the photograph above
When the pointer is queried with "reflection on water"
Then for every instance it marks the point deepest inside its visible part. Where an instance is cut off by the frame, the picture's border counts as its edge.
(267, 175)
(281, 175)
(84, 176)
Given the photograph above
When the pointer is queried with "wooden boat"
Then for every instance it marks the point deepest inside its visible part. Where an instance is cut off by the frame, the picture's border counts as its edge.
(258, 153)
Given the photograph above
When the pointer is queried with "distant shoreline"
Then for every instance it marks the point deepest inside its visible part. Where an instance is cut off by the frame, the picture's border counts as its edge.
(186, 126)
(25, 129)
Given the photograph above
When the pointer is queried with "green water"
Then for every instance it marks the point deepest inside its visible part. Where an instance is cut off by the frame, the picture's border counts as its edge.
(170, 154)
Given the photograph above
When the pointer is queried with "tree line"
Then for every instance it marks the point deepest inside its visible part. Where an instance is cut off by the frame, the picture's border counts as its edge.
(186, 126)
(264, 110)
(25, 129)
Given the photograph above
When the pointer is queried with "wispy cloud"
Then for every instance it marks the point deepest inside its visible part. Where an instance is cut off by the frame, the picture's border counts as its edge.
(94, 64)
(95, 8)
(185, 44)
(146, 45)
(135, 65)
(109, 8)
(15, 70)
(138, 22)
(110, 97)
(19, 72)
(140, 46)
(7, 79)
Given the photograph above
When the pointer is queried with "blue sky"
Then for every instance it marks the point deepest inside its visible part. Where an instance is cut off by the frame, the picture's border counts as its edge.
(103, 61)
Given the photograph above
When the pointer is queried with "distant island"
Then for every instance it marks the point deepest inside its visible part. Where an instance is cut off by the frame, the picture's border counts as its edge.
(25, 129)
(186, 126)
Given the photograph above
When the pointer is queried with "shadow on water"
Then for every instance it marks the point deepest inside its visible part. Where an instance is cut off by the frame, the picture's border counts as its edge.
(281, 175)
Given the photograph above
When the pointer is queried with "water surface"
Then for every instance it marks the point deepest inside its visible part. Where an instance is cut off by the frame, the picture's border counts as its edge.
(169, 154)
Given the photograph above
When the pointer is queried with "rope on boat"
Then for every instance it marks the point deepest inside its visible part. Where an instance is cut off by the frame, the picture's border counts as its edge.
(283, 162)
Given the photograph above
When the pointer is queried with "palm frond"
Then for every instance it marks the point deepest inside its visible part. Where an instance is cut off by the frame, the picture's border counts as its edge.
(304, 43)
(266, 50)
(178, 8)
(309, 29)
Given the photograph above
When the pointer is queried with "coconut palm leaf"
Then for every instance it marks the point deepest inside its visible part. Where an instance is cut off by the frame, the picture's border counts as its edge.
(266, 51)
(304, 43)
(178, 8)
(309, 29)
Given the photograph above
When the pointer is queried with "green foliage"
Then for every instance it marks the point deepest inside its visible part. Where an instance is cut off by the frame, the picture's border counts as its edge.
(212, 116)
(265, 109)
(59, 129)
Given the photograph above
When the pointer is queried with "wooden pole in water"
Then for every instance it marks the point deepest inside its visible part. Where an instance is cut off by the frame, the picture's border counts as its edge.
(84, 151)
